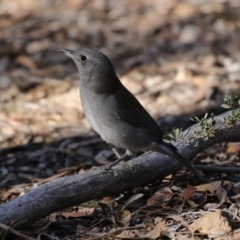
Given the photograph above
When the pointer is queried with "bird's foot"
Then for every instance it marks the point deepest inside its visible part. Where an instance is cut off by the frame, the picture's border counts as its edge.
(97, 168)
(116, 162)
(129, 165)
(103, 169)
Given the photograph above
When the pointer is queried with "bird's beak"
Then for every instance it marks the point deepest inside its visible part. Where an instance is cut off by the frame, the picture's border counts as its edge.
(68, 53)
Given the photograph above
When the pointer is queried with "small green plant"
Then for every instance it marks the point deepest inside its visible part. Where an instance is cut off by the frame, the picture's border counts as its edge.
(232, 119)
(173, 136)
(206, 127)
(231, 101)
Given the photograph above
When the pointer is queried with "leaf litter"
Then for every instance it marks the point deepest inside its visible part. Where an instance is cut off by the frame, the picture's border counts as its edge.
(166, 53)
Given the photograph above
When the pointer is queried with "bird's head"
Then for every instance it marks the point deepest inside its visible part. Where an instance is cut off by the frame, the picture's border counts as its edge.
(90, 61)
(95, 69)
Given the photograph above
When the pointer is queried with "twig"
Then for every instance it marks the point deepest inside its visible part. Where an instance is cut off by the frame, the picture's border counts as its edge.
(218, 169)
(188, 213)
(116, 152)
(68, 191)
(94, 225)
(7, 228)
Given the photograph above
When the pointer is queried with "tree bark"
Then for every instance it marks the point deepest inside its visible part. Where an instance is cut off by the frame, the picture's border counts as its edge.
(71, 190)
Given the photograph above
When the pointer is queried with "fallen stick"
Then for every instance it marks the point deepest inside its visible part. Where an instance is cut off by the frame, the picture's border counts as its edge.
(71, 190)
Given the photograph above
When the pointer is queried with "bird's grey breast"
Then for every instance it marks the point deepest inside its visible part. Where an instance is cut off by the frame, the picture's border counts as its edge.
(99, 113)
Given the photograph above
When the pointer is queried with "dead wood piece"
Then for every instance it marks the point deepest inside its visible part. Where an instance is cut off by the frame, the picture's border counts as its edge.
(71, 190)
(218, 169)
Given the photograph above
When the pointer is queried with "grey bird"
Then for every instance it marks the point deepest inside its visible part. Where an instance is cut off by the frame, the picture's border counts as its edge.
(113, 112)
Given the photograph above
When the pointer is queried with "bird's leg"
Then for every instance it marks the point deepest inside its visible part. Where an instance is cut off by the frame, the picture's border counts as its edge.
(126, 154)
(116, 162)
(116, 152)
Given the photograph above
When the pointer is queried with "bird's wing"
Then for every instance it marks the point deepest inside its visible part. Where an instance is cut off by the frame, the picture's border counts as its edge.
(129, 109)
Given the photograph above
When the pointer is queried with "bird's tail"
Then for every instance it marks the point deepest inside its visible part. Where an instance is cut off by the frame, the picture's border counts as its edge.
(171, 151)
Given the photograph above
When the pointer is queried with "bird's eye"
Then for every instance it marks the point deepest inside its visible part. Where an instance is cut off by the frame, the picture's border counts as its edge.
(83, 58)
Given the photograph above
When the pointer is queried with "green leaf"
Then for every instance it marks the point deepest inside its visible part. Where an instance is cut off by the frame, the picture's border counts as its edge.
(225, 106)
(197, 119)
(166, 140)
(177, 131)
(131, 200)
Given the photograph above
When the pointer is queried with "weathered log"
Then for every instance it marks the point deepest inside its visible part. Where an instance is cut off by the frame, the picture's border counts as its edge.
(71, 190)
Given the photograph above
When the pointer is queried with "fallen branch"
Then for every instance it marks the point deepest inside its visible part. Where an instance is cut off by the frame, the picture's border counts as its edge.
(71, 190)
(217, 169)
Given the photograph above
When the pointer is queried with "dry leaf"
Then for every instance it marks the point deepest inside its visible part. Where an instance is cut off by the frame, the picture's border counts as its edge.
(183, 10)
(125, 216)
(191, 203)
(135, 234)
(156, 232)
(81, 212)
(236, 235)
(160, 196)
(233, 148)
(215, 189)
(189, 191)
(237, 199)
(128, 234)
(132, 200)
(212, 224)
(107, 199)
(178, 219)
(26, 62)
(211, 187)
